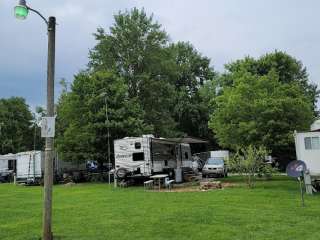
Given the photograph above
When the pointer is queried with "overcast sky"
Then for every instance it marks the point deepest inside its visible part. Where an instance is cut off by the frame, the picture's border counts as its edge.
(224, 30)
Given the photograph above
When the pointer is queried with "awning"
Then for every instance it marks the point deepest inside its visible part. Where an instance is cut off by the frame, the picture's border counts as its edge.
(164, 141)
(189, 140)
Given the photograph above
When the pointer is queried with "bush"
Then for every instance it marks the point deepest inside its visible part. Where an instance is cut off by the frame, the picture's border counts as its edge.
(251, 162)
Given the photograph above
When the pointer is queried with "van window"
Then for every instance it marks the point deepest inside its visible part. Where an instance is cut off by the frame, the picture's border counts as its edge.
(312, 143)
(186, 155)
(138, 156)
(137, 145)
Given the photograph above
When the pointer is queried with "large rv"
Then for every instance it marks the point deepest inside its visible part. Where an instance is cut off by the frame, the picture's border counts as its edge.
(146, 155)
(308, 150)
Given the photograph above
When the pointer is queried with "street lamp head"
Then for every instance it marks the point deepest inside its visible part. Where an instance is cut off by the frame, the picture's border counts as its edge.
(21, 10)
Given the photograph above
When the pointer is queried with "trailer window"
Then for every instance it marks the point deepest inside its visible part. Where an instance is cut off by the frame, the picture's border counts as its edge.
(312, 143)
(137, 145)
(12, 164)
(138, 156)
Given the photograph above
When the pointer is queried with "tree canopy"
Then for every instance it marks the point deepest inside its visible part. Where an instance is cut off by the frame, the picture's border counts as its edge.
(288, 69)
(82, 122)
(261, 111)
(154, 86)
(16, 131)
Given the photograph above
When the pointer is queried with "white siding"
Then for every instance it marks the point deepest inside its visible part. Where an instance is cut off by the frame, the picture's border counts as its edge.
(29, 165)
(310, 156)
(124, 150)
(3, 165)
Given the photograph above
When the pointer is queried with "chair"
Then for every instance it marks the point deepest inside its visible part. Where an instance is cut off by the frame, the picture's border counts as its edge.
(168, 183)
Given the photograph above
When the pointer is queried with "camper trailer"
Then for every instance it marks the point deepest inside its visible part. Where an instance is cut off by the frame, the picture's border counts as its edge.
(26, 166)
(146, 155)
(7, 167)
(308, 150)
(29, 166)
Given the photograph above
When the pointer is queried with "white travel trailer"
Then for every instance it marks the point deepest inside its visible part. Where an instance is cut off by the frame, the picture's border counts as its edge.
(308, 150)
(146, 155)
(29, 166)
(26, 166)
(7, 166)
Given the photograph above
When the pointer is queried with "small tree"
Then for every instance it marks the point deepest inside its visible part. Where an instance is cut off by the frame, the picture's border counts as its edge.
(251, 162)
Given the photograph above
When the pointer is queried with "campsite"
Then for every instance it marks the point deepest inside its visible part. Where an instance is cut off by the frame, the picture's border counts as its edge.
(97, 211)
(161, 119)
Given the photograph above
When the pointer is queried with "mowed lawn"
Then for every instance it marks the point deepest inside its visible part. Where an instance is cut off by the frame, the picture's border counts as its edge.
(97, 211)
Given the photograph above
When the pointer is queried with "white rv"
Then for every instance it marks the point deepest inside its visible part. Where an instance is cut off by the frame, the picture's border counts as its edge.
(29, 166)
(25, 165)
(7, 167)
(308, 150)
(146, 155)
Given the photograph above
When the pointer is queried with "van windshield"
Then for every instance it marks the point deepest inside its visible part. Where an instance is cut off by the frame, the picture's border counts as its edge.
(215, 161)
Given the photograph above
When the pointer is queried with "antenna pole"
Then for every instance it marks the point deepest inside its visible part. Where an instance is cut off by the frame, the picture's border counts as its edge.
(301, 189)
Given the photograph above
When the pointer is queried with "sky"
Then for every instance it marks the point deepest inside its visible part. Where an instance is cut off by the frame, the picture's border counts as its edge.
(223, 30)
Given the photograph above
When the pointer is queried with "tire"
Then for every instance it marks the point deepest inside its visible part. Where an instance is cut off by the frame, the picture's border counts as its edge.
(121, 173)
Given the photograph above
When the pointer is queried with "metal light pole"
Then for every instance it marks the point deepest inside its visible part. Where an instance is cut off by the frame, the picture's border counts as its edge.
(21, 12)
(104, 94)
(1, 125)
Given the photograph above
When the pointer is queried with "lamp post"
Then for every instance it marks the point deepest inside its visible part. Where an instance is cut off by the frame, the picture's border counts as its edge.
(21, 11)
(104, 94)
(1, 125)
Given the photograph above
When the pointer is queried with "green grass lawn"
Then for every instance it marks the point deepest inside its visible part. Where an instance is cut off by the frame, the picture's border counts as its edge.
(96, 211)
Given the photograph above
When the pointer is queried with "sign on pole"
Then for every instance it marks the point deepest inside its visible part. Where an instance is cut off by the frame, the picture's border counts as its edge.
(48, 127)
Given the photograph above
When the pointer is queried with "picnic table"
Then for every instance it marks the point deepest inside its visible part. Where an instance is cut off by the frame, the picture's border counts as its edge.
(158, 178)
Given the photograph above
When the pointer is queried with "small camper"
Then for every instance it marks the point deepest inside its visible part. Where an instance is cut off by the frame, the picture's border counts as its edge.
(146, 155)
(308, 150)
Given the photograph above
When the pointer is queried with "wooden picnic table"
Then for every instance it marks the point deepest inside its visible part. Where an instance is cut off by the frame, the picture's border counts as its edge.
(158, 178)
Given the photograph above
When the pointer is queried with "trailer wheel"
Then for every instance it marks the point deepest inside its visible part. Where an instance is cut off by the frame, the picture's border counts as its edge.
(121, 173)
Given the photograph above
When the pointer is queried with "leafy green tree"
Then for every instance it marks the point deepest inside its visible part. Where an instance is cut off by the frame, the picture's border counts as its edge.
(191, 71)
(135, 50)
(250, 162)
(82, 125)
(261, 110)
(16, 133)
(288, 69)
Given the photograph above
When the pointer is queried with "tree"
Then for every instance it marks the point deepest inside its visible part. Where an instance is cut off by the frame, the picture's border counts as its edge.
(163, 76)
(251, 162)
(288, 69)
(191, 72)
(15, 126)
(82, 125)
(135, 50)
(261, 110)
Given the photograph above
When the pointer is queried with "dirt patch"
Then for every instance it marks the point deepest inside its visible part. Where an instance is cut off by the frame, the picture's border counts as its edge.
(195, 187)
